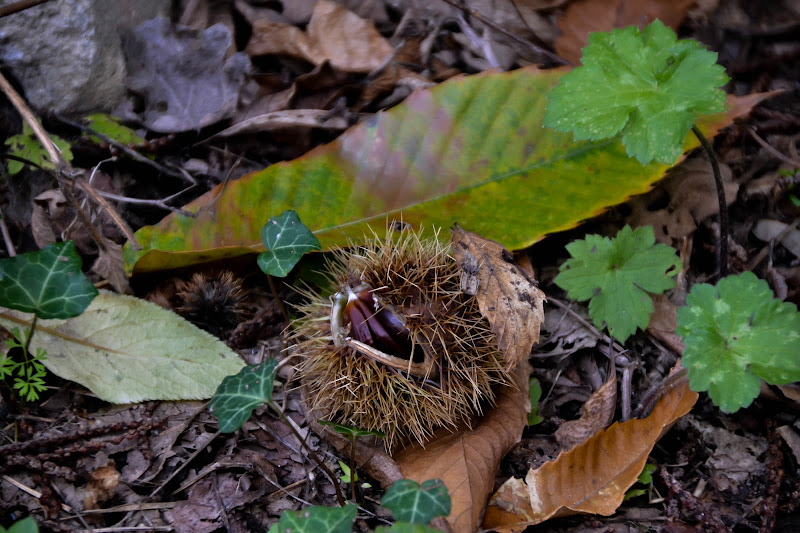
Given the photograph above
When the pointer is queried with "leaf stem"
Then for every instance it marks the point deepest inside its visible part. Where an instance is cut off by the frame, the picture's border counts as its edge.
(353, 466)
(29, 337)
(314, 457)
(722, 249)
(282, 307)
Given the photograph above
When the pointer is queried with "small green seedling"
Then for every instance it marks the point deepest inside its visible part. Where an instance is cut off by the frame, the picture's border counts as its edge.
(535, 389)
(347, 474)
(645, 478)
(645, 84)
(352, 433)
(737, 334)
(26, 145)
(48, 283)
(286, 239)
(616, 275)
(26, 525)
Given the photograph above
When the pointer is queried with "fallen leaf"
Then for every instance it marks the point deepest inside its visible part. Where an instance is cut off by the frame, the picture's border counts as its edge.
(690, 196)
(467, 460)
(127, 350)
(768, 230)
(585, 16)
(101, 486)
(507, 296)
(47, 208)
(596, 415)
(183, 75)
(291, 118)
(471, 149)
(334, 34)
(590, 478)
(110, 266)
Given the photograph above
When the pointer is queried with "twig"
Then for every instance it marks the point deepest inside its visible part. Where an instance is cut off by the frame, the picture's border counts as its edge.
(770, 149)
(515, 37)
(98, 198)
(22, 5)
(6, 236)
(724, 228)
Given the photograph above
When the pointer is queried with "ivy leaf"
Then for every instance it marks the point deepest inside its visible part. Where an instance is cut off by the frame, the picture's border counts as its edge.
(237, 396)
(405, 527)
(27, 146)
(616, 274)
(286, 240)
(26, 525)
(317, 518)
(48, 282)
(737, 334)
(410, 502)
(646, 84)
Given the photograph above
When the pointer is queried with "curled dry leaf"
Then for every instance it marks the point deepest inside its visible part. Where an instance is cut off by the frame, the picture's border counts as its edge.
(590, 478)
(334, 34)
(467, 460)
(596, 415)
(507, 296)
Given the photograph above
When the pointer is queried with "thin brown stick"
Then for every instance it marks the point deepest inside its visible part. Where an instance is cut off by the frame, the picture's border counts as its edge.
(475, 14)
(121, 224)
(6, 236)
(22, 5)
(770, 149)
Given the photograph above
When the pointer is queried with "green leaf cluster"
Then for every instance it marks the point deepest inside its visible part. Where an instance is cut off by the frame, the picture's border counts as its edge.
(27, 146)
(616, 275)
(737, 334)
(286, 240)
(26, 525)
(28, 374)
(646, 84)
(645, 478)
(413, 506)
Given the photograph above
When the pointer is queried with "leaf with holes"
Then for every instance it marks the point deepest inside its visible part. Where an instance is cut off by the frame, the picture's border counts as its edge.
(419, 504)
(47, 282)
(286, 240)
(237, 396)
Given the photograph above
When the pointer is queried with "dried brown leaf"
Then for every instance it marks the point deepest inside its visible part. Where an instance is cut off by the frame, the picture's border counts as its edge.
(593, 476)
(110, 266)
(596, 415)
(334, 34)
(507, 296)
(290, 118)
(585, 16)
(468, 459)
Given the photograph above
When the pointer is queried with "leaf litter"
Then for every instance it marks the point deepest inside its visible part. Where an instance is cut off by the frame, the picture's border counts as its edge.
(266, 456)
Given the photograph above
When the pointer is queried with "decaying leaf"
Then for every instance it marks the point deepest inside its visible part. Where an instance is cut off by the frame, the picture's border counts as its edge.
(127, 350)
(334, 34)
(467, 460)
(596, 415)
(186, 81)
(590, 478)
(110, 266)
(507, 296)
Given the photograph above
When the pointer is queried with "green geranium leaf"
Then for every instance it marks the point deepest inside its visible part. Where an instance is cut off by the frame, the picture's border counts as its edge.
(737, 334)
(286, 240)
(26, 525)
(316, 519)
(646, 84)
(617, 275)
(352, 432)
(111, 127)
(48, 282)
(27, 146)
(410, 502)
(238, 395)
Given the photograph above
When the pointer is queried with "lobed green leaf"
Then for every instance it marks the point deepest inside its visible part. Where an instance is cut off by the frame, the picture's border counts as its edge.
(316, 519)
(410, 502)
(286, 240)
(736, 334)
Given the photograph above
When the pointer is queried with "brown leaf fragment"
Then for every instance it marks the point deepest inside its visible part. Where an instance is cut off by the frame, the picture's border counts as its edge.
(468, 459)
(596, 415)
(102, 484)
(507, 296)
(591, 477)
(110, 266)
(334, 34)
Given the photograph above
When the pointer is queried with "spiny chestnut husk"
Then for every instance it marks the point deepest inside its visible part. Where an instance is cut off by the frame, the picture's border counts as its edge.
(399, 348)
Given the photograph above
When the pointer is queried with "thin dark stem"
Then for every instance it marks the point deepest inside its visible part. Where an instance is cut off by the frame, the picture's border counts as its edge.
(669, 383)
(353, 466)
(722, 249)
(320, 464)
(282, 307)
(29, 337)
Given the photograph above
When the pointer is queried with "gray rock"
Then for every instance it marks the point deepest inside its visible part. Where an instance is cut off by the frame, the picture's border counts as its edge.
(67, 54)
